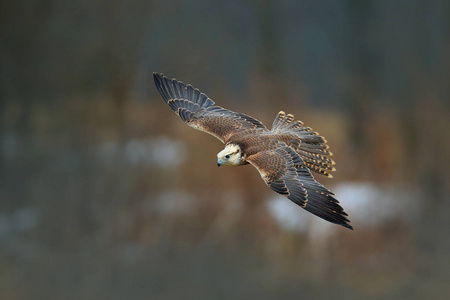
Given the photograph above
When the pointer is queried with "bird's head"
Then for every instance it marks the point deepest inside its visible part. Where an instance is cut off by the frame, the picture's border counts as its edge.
(230, 156)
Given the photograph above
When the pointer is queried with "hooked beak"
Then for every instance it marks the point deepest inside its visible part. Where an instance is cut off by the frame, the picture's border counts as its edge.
(219, 162)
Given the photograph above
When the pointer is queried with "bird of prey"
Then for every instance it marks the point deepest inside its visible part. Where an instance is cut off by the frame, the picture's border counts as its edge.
(285, 155)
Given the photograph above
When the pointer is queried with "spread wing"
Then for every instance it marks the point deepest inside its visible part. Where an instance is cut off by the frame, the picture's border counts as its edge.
(200, 112)
(285, 172)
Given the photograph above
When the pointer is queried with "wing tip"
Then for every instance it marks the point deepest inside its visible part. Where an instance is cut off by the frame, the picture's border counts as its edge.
(347, 225)
(344, 221)
(159, 79)
(158, 76)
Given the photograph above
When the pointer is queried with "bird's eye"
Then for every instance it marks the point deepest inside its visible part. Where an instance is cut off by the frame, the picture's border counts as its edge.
(227, 156)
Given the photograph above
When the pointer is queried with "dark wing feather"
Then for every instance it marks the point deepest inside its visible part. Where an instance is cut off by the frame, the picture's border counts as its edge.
(200, 112)
(284, 171)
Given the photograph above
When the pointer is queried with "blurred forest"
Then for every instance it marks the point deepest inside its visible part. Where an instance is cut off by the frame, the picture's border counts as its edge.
(106, 194)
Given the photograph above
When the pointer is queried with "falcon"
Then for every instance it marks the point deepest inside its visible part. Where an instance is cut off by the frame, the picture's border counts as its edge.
(285, 155)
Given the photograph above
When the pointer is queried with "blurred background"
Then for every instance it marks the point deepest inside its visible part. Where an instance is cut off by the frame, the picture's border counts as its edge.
(106, 194)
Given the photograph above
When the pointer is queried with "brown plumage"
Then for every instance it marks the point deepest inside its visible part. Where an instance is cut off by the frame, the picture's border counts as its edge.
(285, 155)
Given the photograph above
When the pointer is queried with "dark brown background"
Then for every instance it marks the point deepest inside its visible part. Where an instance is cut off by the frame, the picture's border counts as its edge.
(106, 194)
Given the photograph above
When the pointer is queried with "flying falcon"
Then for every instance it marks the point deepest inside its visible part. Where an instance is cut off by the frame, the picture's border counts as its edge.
(285, 155)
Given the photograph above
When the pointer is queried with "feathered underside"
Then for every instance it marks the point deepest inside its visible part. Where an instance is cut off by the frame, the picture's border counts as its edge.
(283, 155)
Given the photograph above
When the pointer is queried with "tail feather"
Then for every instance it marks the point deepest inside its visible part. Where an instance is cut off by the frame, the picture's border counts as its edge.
(282, 121)
(313, 148)
(316, 158)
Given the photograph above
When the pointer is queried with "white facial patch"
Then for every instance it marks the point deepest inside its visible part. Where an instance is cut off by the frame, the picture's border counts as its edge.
(230, 156)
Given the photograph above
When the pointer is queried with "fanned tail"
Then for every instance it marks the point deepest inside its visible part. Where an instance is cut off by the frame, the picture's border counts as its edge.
(313, 148)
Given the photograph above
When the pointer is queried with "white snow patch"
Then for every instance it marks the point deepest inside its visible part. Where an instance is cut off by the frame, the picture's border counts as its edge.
(368, 205)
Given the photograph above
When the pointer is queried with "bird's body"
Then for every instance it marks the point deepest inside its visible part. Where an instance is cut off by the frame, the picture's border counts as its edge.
(283, 155)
